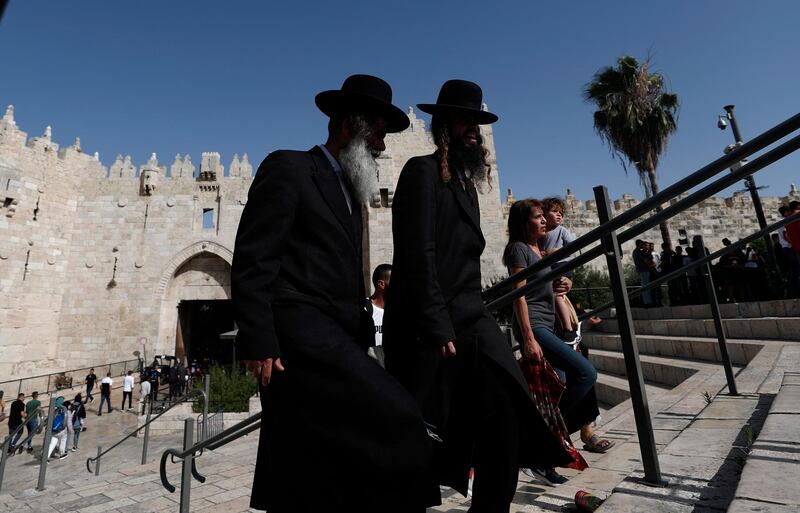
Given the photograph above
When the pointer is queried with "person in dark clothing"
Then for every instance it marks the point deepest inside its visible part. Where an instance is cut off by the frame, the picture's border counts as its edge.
(105, 393)
(297, 287)
(16, 415)
(440, 340)
(90, 380)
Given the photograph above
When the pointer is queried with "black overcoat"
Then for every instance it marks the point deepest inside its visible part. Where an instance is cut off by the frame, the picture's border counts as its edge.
(435, 297)
(338, 432)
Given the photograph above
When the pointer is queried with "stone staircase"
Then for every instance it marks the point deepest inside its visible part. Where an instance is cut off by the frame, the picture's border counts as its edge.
(677, 342)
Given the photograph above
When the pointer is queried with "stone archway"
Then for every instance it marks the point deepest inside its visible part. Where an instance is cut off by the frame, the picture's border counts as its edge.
(201, 272)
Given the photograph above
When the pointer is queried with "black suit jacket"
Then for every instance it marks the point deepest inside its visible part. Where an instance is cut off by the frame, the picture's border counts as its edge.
(436, 272)
(435, 297)
(297, 243)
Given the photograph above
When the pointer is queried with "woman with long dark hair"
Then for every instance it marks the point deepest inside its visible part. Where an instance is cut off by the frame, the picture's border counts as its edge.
(534, 314)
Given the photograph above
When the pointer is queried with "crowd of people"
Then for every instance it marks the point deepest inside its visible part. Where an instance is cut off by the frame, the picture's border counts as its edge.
(438, 394)
(739, 275)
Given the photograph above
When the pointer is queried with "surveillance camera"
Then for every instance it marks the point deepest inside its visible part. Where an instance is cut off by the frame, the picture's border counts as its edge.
(722, 123)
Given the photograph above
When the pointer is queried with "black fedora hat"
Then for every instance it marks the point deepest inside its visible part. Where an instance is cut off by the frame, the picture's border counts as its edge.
(363, 93)
(460, 97)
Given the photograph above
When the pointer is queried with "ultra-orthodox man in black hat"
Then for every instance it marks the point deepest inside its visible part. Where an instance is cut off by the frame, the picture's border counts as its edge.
(439, 339)
(338, 433)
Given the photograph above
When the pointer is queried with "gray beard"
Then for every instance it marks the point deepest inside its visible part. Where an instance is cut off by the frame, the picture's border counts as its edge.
(479, 176)
(361, 168)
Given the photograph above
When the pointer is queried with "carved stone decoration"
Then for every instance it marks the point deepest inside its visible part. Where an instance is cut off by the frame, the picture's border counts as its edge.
(122, 202)
(3, 254)
(139, 262)
(90, 262)
(51, 259)
(170, 201)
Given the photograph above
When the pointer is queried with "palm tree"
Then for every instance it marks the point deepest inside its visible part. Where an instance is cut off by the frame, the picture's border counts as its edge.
(634, 116)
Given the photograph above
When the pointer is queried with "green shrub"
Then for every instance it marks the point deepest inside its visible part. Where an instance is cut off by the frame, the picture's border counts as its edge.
(229, 389)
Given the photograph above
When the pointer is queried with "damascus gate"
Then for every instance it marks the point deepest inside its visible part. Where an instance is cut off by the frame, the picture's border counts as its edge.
(98, 261)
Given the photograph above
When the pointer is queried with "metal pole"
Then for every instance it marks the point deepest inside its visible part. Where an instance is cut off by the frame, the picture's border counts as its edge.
(644, 427)
(186, 468)
(3, 457)
(750, 183)
(146, 434)
(711, 292)
(97, 460)
(207, 390)
(48, 435)
(48, 383)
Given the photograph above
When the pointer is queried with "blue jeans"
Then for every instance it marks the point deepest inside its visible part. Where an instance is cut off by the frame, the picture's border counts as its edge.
(76, 427)
(31, 427)
(577, 371)
(107, 399)
(16, 437)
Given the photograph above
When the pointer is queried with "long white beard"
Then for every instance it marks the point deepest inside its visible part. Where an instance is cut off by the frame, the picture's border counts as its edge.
(479, 175)
(361, 168)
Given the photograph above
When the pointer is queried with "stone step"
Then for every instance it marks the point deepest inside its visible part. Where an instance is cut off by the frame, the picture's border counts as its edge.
(768, 328)
(780, 308)
(665, 371)
(612, 389)
(705, 349)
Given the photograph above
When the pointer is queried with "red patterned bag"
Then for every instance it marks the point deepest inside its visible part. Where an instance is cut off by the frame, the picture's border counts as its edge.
(546, 389)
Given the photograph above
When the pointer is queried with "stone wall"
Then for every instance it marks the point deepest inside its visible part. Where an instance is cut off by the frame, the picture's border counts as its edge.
(94, 261)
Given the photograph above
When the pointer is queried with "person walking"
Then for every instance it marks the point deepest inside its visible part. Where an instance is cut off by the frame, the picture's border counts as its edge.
(15, 419)
(127, 390)
(439, 339)
(89, 381)
(144, 395)
(59, 429)
(298, 293)
(105, 393)
(32, 423)
(78, 416)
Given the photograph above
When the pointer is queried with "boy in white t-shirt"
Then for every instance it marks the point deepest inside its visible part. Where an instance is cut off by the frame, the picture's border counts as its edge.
(380, 281)
(127, 390)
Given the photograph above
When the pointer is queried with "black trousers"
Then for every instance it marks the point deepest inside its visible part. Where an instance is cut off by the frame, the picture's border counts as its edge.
(496, 456)
(129, 397)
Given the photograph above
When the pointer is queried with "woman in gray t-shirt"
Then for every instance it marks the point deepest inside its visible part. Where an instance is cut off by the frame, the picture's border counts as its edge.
(534, 314)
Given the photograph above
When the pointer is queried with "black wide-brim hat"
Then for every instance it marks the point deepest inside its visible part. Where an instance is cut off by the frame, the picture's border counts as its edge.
(367, 94)
(460, 97)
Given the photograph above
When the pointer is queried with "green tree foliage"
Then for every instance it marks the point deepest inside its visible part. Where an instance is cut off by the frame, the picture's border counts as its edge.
(635, 117)
(229, 389)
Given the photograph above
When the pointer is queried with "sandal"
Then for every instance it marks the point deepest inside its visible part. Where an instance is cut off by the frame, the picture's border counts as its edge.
(598, 445)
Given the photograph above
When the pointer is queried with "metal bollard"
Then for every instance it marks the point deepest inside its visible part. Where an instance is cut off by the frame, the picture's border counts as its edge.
(207, 390)
(97, 461)
(186, 467)
(146, 436)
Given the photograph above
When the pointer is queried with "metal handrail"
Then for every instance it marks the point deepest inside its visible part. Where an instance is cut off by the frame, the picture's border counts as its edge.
(234, 432)
(497, 297)
(4, 384)
(133, 433)
(597, 233)
(696, 264)
(756, 144)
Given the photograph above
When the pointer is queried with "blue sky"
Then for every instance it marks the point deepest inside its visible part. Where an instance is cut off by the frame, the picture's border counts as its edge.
(235, 76)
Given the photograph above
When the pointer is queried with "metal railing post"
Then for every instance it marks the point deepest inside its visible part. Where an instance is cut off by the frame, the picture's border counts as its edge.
(48, 435)
(48, 383)
(207, 390)
(3, 457)
(711, 292)
(97, 461)
(186, 467)
(644, 426)
(146, 435)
